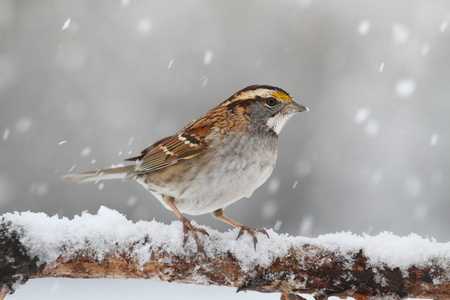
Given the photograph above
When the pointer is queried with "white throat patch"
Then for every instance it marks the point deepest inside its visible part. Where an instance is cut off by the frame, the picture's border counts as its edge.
(277, 122)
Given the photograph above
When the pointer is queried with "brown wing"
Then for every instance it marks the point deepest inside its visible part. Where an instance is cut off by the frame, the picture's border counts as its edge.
(147, 150)
(186, 144)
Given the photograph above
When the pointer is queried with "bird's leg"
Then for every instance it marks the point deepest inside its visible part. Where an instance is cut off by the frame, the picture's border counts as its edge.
(218, 214)
(187, 226)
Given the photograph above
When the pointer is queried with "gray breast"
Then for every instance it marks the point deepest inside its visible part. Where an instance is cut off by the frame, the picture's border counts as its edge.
(230, 170)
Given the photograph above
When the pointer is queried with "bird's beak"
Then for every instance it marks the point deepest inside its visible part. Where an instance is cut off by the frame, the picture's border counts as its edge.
(294, 108)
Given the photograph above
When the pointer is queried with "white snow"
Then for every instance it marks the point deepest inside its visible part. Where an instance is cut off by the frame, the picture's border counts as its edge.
(6, 134)
(434, 140)
(208, 57)
(101, 186)
(109, 231)
(62, 143)
(277, 225)
(170, 64)
(400, 34)
(66, 24)
(132, 201)
(86, 151)
(274, 185)
(204, 80)
(363, 27)
(124, 3)
(362, 115)
(372, 127)
(116, 166)
(120, 289)
(144, 26)
(443, 26)
(405, 88)
(44, 235)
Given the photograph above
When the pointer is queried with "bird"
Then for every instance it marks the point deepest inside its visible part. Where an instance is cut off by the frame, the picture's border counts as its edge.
(214, 161)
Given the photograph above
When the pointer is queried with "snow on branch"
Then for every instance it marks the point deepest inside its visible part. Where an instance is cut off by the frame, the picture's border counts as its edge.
(107, 245)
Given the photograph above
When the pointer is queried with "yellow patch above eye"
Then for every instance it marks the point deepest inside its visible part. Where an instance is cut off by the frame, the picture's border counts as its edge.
(282, 96)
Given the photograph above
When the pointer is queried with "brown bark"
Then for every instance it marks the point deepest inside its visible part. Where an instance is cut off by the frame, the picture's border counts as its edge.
(309, 269)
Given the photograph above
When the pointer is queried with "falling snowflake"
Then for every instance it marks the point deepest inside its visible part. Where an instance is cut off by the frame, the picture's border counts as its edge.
(66, 24)
(434, 140)
(363, 27)
(400, 34)
(6, 134)
(405, 88)
(362, 115)
(86, 151)
(208, 57)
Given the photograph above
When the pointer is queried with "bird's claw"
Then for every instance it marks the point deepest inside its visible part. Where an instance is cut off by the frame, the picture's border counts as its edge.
(252, 232)
(189, 228)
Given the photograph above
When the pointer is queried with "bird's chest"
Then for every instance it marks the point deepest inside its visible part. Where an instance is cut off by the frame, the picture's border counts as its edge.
(242, 165)
(228, 170)
(233, 169)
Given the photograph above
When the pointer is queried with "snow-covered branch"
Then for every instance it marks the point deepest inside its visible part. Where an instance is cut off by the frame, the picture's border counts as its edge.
(107, 245)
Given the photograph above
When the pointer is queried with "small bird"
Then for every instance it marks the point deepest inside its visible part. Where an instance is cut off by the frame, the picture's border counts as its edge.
(214, 161)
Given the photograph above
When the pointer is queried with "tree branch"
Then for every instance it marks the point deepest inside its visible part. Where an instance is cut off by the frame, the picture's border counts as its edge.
(107, 245)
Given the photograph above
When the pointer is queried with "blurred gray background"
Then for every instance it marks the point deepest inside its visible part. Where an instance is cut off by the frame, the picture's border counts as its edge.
(85, 84)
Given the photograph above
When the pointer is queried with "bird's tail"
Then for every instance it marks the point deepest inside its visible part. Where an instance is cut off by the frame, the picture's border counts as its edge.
(97, 175)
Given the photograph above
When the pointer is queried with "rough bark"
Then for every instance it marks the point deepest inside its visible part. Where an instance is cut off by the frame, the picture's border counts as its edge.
(309, 269)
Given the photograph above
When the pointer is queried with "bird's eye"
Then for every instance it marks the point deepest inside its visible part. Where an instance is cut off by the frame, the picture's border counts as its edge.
(271, 101)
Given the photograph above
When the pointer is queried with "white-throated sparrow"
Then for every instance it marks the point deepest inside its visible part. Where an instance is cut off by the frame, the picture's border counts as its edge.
(216, 160)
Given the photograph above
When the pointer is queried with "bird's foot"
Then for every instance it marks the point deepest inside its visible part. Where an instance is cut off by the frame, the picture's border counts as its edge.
(189, 228)
(252, 232)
